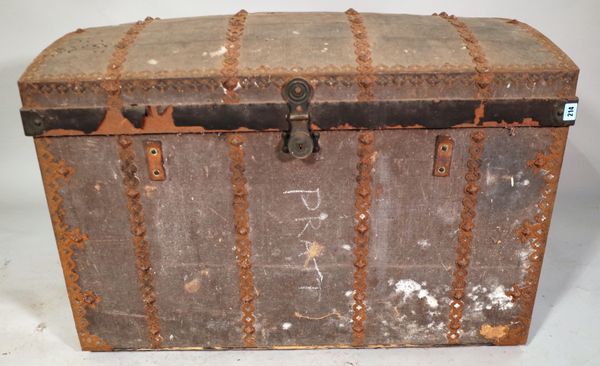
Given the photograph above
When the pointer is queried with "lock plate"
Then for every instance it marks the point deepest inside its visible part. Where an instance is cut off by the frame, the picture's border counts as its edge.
(299, 141)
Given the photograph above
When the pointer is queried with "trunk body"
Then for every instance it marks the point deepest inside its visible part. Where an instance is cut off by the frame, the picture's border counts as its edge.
(183, 222)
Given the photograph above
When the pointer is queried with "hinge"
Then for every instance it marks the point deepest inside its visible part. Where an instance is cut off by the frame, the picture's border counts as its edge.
(299, 141)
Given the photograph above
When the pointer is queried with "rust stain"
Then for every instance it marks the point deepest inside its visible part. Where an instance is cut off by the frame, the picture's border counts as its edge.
(465, 235)
(155, 122)
(484, 77)
(55, 175)
(242, 239)
(362, 50)
(114, 123)
(314, 250)
(231, 60)
(493, 333)
(192, 287)
(535, 234)
(366, 154)
(141, 246)
(479, 113)
(525, 122)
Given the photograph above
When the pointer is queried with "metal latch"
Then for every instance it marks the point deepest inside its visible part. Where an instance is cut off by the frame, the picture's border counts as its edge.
(444, 145)
(299, 141)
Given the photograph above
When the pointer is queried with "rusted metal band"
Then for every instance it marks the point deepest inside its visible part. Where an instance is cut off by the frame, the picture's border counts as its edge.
(362, 49)
(366, 155)
(335, 115)
(32, 70)
(141, 246)
(55, 175)
(112, 82)
(231, 60)
(535, 234)
(465, 235)
(242, 237)
(484, 77)
(564, 62)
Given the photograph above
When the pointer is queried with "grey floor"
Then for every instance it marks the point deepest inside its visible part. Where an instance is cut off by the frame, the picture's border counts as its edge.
(36, 325)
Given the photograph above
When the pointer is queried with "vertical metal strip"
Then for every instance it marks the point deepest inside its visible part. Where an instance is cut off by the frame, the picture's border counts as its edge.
(55, 174)
(484, 77)
(535, 234)
(232, 55)
(465, 235)
(243, 245)
(362, 50)
(112, 82)
(141, 246)
(564, 62)
(32, 70)
(366, 154)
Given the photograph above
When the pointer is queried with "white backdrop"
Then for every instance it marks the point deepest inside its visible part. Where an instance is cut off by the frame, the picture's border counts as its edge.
(36, 326)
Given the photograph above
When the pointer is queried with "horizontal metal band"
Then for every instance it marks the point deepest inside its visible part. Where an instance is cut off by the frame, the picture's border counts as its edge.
(424, 113)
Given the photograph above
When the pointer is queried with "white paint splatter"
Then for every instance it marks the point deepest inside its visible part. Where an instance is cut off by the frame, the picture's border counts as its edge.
(409, 287)
(309, 288)
(346, 247)
(152, 62)
(221, 51)
(295, 32)
(423, 243)
(500, 299)
(171, 337)
(489, 178)
(286, 326)
(348, 293)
